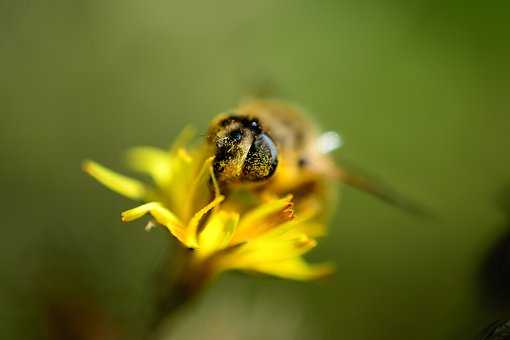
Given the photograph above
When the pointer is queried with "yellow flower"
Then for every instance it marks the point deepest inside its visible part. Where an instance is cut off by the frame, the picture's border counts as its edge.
(186, 199)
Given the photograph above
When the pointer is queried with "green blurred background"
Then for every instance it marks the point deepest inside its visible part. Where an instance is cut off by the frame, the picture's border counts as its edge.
(418, 89)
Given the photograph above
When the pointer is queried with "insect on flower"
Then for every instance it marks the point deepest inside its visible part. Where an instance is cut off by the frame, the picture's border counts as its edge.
(223, 233)
(269, 148)
(253, 196)
(266, 149)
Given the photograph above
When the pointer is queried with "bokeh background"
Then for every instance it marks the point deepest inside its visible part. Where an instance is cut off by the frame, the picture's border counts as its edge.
(418, 89)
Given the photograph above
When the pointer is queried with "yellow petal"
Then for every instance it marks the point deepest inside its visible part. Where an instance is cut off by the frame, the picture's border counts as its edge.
(263, 218)
(267, 250)
(311, 229)
(184, 137)
(265, 210)
(191, 229)
(191, 186)
(295, 268)
(121, 184)
(200, 187)
(153, 161)
(294, 229)
(305, 222)
(177, 189)
(184, 155)
(161, 215)
(217, 232)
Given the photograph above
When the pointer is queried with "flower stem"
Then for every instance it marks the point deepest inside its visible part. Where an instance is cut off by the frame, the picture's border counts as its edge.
(179, 283)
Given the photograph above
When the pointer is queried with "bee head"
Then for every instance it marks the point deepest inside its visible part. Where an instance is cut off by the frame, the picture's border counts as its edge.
(243, 151)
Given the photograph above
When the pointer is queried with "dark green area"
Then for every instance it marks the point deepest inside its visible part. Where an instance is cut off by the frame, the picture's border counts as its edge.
(418, 89)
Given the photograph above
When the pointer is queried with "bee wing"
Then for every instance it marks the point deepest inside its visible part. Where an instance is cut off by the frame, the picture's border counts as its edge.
(328, 142)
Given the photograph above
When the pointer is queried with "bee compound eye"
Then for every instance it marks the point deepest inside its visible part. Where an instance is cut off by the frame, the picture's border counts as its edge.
(262, 159)
(236, 135)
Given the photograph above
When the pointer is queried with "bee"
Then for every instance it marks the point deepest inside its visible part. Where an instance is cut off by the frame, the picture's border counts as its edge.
(268, 145)
(271, 148)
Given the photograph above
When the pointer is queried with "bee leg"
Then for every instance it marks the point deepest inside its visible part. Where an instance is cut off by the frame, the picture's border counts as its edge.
(381, 191)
